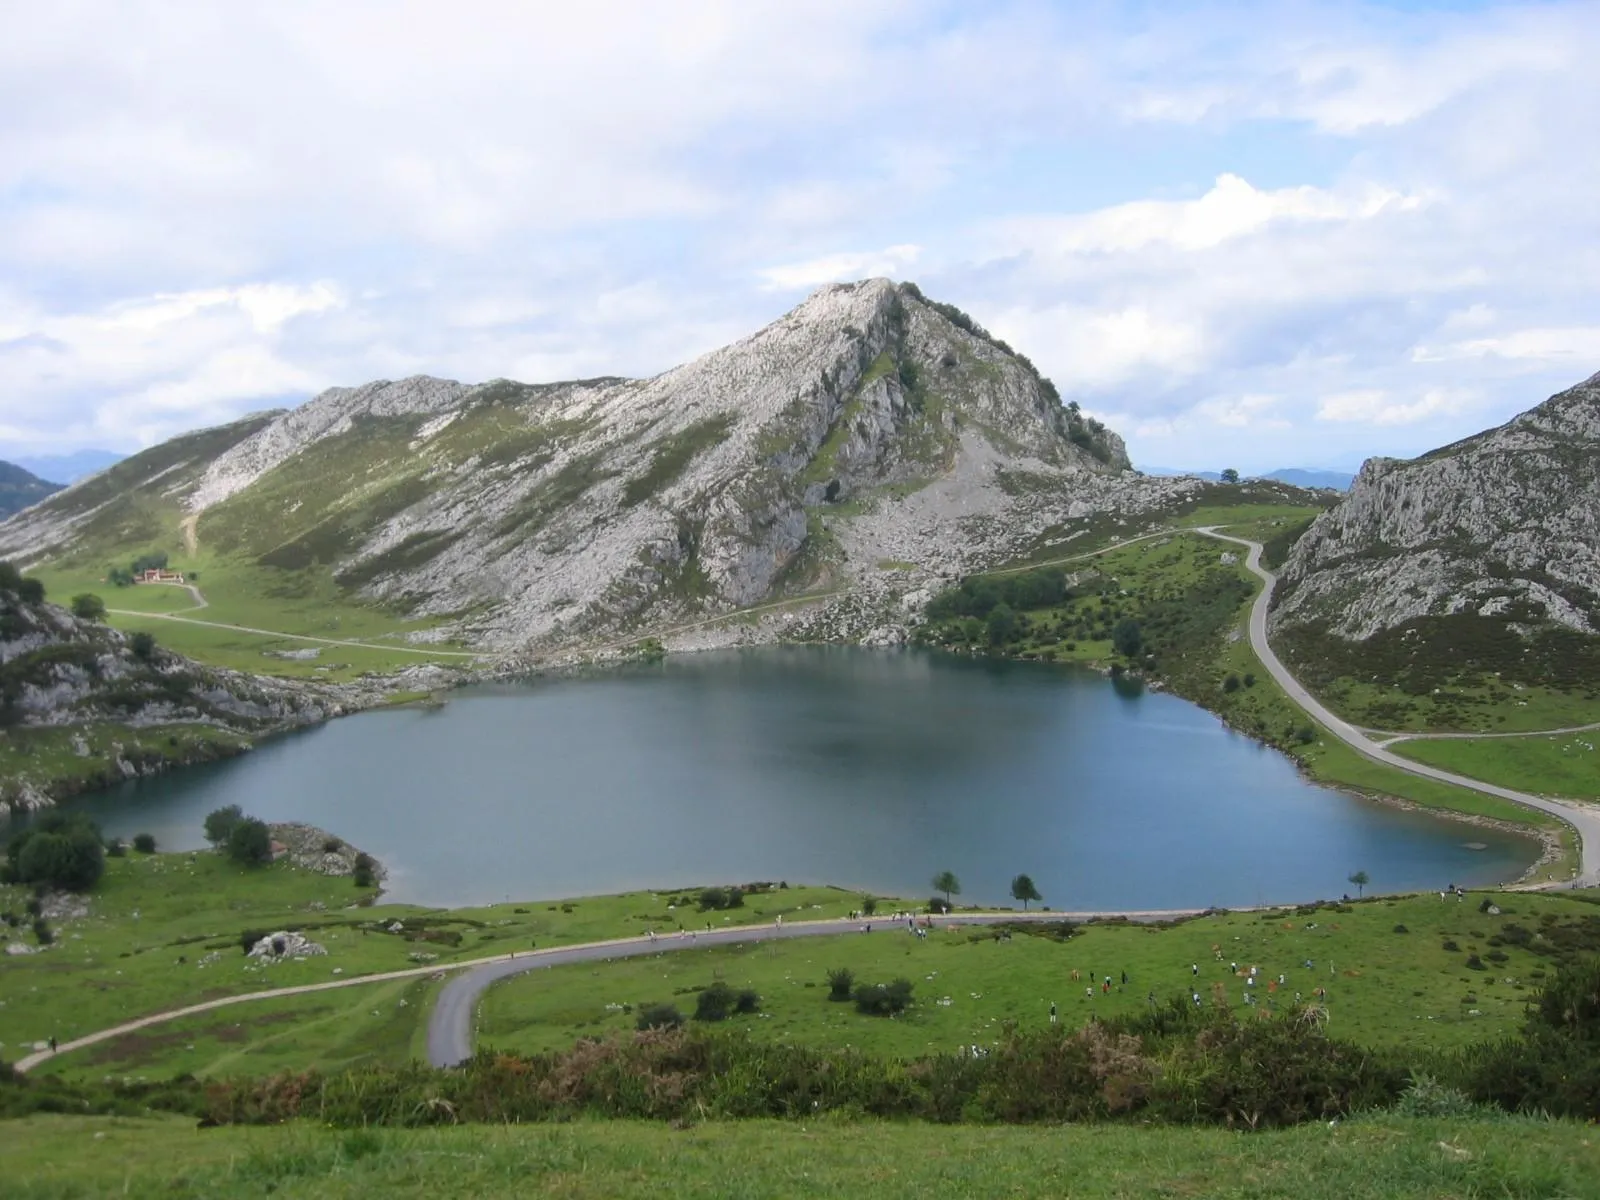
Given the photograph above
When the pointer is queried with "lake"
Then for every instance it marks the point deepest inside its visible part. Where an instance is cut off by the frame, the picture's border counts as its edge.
(868, 769)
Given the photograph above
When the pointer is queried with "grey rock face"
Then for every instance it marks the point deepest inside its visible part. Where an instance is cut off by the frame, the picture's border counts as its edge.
(1505, 523)
(867, 425)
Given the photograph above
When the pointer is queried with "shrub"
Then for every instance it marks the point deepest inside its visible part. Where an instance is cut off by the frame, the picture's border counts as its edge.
(869, 905)
(366, 870)
(714, 1003)
(41, 930)
(144, 843)
(58, 851)
(1401, 929)
(331, 845)
(1474, 963)
(747, 1001)
(713, 899)
(659, 1016)
(143, 645)
(883, 999)
(938, 904)
(86, 606)
(250, 842)
(840, 981)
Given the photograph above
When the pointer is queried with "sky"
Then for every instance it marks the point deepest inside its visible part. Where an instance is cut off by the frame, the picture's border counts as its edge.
(1287, 234)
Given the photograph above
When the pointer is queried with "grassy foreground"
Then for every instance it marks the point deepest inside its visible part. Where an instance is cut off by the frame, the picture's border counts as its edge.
(61, 1157)
(164, 931)
(1394, 972)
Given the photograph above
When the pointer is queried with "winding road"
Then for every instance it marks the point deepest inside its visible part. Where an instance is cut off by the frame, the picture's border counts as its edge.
(450, 1026)
(1584, 819)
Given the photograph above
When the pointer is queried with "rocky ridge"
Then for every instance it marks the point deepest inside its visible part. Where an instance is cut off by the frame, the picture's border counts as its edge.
(1504, 524)
(870, 442)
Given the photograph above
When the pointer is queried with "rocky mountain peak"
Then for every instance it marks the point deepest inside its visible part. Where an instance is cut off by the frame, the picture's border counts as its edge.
(868, 424)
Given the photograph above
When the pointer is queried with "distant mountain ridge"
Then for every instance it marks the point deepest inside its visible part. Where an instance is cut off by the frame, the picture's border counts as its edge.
(1504, 525)
(1310, 479)
(67, 469)
(866, 441)
(20, 488)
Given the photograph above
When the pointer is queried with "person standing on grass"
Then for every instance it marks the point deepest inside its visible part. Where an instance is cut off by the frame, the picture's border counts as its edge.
(1052, 1012)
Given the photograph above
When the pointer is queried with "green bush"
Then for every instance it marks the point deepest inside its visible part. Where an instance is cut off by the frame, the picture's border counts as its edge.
(250, 842)
(658, 1016)
(144, 843)
(143, 645)
(883, 999)
(86, 606)
(59, 850)
(714, 1003)
(41, 931)
(840, 981)
(220, 823)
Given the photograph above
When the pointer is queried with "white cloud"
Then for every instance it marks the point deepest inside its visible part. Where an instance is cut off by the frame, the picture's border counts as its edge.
(1374, 406)
(1174, 212)
(841, 268)
(1231, 209)
(1574, 346)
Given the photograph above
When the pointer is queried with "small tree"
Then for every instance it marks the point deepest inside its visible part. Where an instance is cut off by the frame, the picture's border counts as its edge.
(1230, 475)
(1002, 624)
(31, 591)
(1360, 879)
(1022, 889)
(250, 842)
(869, 905)
(144, 843)
(1127, 638)
(366, 870)
(714, 1003)
(143, 645)
(220, 823)
(86, 606)
(946, 882)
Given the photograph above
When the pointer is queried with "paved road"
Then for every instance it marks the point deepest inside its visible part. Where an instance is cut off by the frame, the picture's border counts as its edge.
(503, 965)
(450, 1026)
(1584, 819)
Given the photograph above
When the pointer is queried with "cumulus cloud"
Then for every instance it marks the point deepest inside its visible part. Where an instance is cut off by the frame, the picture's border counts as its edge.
(1309, 231)
(840, 268)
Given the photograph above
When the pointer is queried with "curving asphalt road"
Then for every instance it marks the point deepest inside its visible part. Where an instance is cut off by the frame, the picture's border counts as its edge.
(450, 1025)
(1585, 819)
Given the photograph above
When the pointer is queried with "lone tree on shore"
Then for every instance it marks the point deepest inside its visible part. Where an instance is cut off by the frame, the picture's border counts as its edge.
(1360, 879)
(1127, 638)
(1230, 475)
(250, 842)
(220, 823)
(1022, 889)
(946, 882)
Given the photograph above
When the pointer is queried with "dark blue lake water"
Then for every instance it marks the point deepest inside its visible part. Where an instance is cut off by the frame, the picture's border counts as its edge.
(862, 768)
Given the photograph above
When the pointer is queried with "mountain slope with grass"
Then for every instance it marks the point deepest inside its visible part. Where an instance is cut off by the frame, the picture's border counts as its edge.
(1469, 577)
(19, 488)
(868, 439)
